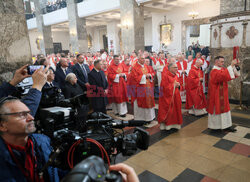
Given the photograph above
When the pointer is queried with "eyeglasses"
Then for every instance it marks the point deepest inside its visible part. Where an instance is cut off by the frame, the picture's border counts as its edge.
(21, 115)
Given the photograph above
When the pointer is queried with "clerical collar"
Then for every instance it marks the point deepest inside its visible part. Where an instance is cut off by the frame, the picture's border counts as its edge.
(142, 65)
(196, 66)
(217, 67)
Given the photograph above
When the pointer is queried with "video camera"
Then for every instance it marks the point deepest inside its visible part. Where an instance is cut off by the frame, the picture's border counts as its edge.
(101, 139)
(92, 169)
(62, 115)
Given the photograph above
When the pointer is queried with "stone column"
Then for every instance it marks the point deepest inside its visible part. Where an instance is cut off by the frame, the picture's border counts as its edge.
(220, 26)
(132, 26)
(14, 39)
(243, 45)
(77, 28)
(113, 37)
(45, 34)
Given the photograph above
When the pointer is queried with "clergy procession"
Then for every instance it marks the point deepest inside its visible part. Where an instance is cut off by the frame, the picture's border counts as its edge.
(178, 84)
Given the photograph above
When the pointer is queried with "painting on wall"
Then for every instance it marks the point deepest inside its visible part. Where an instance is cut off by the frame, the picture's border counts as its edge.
(166, 34)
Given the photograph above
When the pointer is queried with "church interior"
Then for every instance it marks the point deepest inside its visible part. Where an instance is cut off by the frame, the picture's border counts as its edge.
(34, 29)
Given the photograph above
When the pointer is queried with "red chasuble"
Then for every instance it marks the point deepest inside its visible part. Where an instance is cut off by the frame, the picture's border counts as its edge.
(218, 91)
(144, 93)
(125, 68)
(170, 100)
(91, 67)
(182, 78)
(118, 90)
(194, 90)
(193, 63)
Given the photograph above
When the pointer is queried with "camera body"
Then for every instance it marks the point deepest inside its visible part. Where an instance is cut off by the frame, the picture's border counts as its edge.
(74, 146)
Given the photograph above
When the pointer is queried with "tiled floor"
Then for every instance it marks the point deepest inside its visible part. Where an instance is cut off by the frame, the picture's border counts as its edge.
(195, 153)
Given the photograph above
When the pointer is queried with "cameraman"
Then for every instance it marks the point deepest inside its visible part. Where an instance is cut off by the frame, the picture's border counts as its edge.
(23, 154)
(33, 97)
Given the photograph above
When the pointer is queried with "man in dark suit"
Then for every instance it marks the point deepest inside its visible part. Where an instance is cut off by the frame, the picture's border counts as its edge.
(61, 73)
(81, 71)
(98, 88)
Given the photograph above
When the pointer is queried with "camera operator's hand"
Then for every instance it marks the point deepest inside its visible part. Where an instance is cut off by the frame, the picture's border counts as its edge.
(19, 75)
(40, 77)
(127, 172)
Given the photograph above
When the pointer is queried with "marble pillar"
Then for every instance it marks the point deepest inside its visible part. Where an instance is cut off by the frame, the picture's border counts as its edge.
(113, 37)
(132, 26)
(77, 29)
(14, 39)
(45, 34)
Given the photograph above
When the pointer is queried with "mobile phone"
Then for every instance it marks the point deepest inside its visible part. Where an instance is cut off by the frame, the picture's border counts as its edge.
(32, 68)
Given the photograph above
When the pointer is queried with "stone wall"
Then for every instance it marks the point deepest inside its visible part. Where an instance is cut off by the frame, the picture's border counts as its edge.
(234, 85)
(230, 6)
(14, 40)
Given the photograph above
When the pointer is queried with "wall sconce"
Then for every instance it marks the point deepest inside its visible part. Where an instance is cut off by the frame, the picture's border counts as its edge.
(125, 24)
(40, 37)
(72, 32)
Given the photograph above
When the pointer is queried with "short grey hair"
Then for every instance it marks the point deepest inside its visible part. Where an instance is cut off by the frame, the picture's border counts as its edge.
(69, 77)
(170, 65)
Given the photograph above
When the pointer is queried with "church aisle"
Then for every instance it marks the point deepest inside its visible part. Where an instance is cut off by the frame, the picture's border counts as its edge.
(194, 153)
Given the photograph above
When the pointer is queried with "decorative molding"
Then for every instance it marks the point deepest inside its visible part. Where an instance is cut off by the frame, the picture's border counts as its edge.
(230, 15)
(232, 32)
(215, 34)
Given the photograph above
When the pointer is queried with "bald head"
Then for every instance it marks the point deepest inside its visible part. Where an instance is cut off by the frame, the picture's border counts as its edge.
(198, 63)
(171, 60)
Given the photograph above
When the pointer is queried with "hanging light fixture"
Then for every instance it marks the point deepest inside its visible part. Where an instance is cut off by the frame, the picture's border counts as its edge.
(193, 14)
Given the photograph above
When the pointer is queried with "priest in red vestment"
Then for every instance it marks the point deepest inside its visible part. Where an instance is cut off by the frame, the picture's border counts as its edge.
(169, 113)
(118, 88)
(182, 69)
(219, 115)
(91, 63)
(141, 91)
(126, 66)
(196, 100)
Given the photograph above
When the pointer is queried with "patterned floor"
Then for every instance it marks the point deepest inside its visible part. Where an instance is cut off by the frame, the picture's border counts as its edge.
(194, 153)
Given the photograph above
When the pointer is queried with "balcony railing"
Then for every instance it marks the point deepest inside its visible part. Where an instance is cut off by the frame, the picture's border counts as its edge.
(50, 7)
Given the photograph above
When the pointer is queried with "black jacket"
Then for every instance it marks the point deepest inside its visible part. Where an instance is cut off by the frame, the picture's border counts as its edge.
(98, 83)
(72, 90)
(81, 78)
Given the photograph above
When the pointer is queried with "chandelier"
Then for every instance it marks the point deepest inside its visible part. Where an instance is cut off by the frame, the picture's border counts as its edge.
(193, 14)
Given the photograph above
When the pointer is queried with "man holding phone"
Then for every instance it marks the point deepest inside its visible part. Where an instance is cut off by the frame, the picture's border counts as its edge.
(32, 99)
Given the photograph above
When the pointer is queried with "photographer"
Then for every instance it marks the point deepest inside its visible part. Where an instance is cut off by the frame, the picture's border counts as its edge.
(33, 97)
(23, 154)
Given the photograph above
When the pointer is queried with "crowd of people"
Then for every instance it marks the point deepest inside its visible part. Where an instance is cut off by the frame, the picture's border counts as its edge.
(110, 82)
